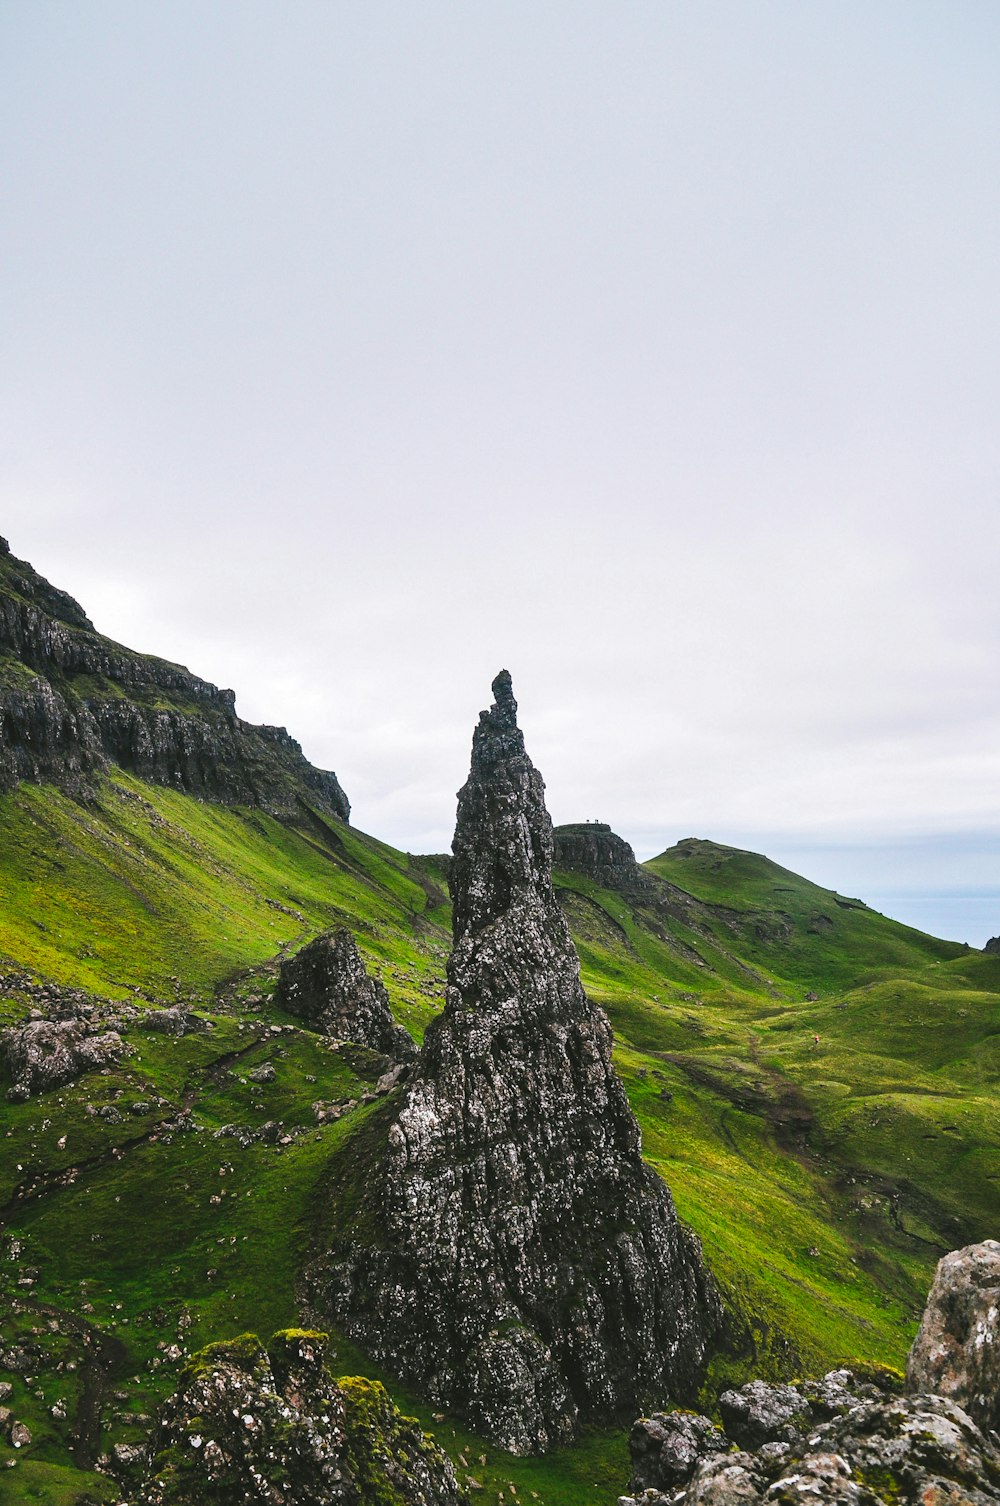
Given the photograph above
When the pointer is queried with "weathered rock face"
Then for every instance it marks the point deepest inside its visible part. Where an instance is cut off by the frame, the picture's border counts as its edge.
(957, 1350)
(44, 1054)
(848, 1444)
(591, 848)
(530, 1271)
(273, 1426)
(326, 984)
(73, 702)
(667, 1447)
(993, 945)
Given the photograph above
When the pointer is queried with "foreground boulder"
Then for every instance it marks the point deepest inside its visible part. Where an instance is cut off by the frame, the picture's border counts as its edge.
(847, 1444)
(957, 1350)
(273, 1426)
(327, 985)
(44, 1054)
(527, 1269)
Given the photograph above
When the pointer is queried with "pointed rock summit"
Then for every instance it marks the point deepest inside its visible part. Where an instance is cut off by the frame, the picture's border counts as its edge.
(528, 1269)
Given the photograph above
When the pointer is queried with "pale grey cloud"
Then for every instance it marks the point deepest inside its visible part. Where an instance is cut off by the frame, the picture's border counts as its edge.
(353, 351)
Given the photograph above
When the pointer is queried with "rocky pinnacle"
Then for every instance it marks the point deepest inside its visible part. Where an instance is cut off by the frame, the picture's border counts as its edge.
(531, 1271)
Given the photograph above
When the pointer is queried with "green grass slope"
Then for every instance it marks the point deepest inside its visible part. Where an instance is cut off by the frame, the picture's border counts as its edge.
(173, 1199)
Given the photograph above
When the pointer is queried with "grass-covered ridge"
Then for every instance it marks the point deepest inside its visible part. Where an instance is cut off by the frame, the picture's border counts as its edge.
(173, 1200)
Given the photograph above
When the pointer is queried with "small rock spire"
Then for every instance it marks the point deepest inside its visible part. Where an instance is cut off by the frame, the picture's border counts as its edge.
(505, 707)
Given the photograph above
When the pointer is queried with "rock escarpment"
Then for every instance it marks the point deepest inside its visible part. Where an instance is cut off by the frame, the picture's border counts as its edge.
(274, 1426)
(327, 985)
(72, 703)
(528, 1270)
(593, 849)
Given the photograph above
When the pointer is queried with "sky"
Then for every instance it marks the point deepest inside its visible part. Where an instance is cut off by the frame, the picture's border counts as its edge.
(354, 351)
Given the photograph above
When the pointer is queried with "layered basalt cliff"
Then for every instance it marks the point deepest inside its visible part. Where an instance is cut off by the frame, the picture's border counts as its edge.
(593, 849)
(527, 1268)
(72, 703)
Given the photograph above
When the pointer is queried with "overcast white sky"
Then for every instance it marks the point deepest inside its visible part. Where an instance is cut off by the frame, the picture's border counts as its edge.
(355, 350)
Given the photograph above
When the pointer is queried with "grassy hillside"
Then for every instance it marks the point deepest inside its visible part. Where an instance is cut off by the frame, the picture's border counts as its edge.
(172, 1199)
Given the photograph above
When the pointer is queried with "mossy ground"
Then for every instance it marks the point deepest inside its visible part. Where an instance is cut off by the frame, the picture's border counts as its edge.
(824, 1176)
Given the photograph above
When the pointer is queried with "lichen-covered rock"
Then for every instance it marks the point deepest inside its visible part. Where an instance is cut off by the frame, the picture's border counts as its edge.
(894, 1451)
(176, 1020)
(761, 1413)
(957, 1350)
(273, 1426)
(72, 702)
(667, 1447)
(44, 1054)
(764, 1412)
(529, 1270)
(766, 1419)
(592, 848)
(327, 985)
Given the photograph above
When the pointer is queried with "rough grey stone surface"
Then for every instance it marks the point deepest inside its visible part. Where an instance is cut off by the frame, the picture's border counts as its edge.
(957, 1350)
(666, 1448)
(273, 1426)
(592, 848)
(890, 1451)
(327, 985)
(80, 702)
(531, 1270)
(44, 1054)
(760, 1413)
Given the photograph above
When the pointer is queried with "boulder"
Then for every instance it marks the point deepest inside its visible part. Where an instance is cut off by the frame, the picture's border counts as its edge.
(327, 985)
(176, 1020)
(44, 1054)
(957, 1349)
(667, 1447)
(761, 1413)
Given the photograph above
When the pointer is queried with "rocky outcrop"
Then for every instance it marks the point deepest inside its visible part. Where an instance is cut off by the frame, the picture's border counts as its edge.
(44, 1054)
(957, 1350)
(327, 985)
(527, 1269)
(667, 1447)
(993, 946)
(273, 1426)
(841, 1441)
(72, 703)
(593, 849)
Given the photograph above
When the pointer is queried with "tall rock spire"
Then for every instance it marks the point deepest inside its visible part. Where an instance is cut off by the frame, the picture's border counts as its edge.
(530, 1270)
